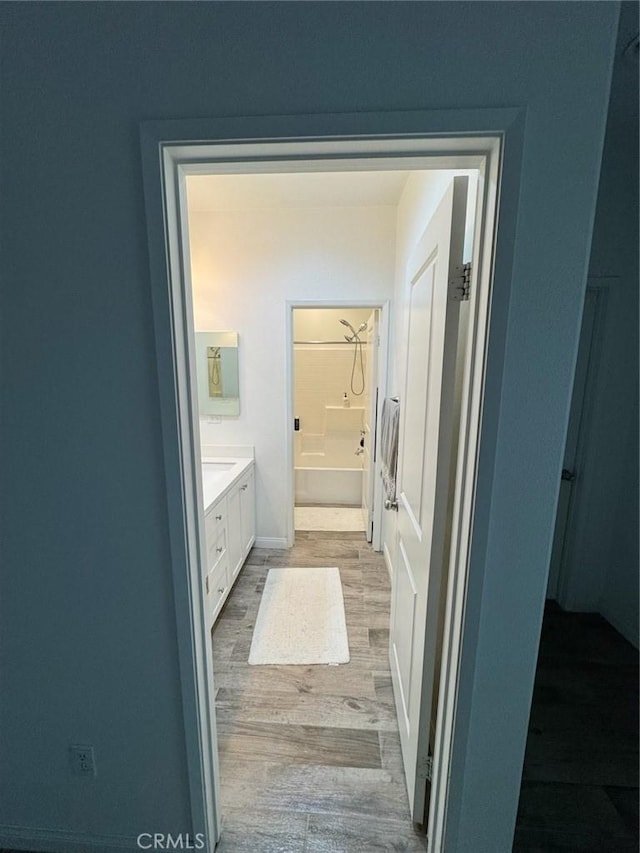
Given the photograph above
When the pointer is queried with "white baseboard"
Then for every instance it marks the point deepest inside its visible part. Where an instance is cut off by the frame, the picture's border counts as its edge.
(387, 559)
(63, 841)
(270, 542)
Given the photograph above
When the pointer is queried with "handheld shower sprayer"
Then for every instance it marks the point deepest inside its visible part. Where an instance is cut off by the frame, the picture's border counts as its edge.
(349, 326)
(354, 334)
(354, 338)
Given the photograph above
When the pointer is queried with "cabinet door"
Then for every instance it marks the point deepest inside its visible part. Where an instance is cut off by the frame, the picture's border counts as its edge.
(234, 531)
(248, 512)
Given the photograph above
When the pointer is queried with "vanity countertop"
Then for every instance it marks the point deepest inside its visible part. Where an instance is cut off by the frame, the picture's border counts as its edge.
(219, 473)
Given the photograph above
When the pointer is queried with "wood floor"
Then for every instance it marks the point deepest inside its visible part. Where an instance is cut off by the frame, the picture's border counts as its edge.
(580, 782)
(310, 755)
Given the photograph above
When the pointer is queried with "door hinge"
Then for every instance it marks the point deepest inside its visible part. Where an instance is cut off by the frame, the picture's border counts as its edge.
(425, 768)
(460, 285)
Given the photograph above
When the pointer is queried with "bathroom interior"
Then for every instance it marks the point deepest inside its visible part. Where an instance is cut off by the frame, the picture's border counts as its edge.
(300, 320)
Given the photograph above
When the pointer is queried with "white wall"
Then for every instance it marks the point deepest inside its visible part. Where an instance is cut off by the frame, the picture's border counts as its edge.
(323, 324)
(245, 265)
(322, 376)
(422, 194)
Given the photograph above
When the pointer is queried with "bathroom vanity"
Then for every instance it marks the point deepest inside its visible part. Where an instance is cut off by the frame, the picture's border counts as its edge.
(230, 520)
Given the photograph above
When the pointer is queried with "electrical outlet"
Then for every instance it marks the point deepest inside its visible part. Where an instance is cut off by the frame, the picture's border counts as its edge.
(215, 419)
(82, 760)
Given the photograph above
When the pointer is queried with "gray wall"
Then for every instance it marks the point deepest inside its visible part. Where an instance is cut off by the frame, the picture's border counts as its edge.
(609, 550)
(88, 629)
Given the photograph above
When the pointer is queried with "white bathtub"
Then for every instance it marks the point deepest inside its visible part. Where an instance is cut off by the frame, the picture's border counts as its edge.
(328, 471)
(331, 486)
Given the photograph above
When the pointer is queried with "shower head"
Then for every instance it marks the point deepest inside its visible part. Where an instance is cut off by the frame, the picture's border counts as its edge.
(361, 328)
(348, 325)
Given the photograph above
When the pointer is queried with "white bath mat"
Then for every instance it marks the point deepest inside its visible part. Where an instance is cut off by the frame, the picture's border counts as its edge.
(301, 619)
(342, 518)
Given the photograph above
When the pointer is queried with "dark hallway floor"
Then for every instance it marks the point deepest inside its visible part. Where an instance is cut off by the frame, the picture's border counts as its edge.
(580, 781)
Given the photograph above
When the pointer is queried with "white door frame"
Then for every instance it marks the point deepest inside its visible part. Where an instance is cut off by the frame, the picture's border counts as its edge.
(491, 140)
(383, 366)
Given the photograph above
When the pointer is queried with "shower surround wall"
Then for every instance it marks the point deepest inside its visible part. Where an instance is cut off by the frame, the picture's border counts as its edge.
(328, 469)
(245, 266)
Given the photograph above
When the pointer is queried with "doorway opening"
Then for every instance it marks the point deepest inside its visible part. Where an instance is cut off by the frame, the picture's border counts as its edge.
(561, 586)
(426, 753)
(338, 357)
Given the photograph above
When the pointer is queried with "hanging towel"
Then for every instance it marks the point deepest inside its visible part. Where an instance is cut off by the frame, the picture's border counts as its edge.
(389, 445)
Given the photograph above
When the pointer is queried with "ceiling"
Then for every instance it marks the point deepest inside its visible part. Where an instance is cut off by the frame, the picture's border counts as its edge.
(308, 189)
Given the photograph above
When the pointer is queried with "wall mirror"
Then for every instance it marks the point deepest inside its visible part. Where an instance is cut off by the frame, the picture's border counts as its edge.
(217, 369)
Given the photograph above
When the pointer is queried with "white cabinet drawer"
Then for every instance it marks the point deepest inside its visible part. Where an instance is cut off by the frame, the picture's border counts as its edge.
(216, 518)
(216, 547)
(216, 588)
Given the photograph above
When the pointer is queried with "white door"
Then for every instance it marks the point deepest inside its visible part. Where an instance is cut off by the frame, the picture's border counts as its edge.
(234, 531)
(424, 466)
(567, 482)
(248, 512)
(369, 425)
